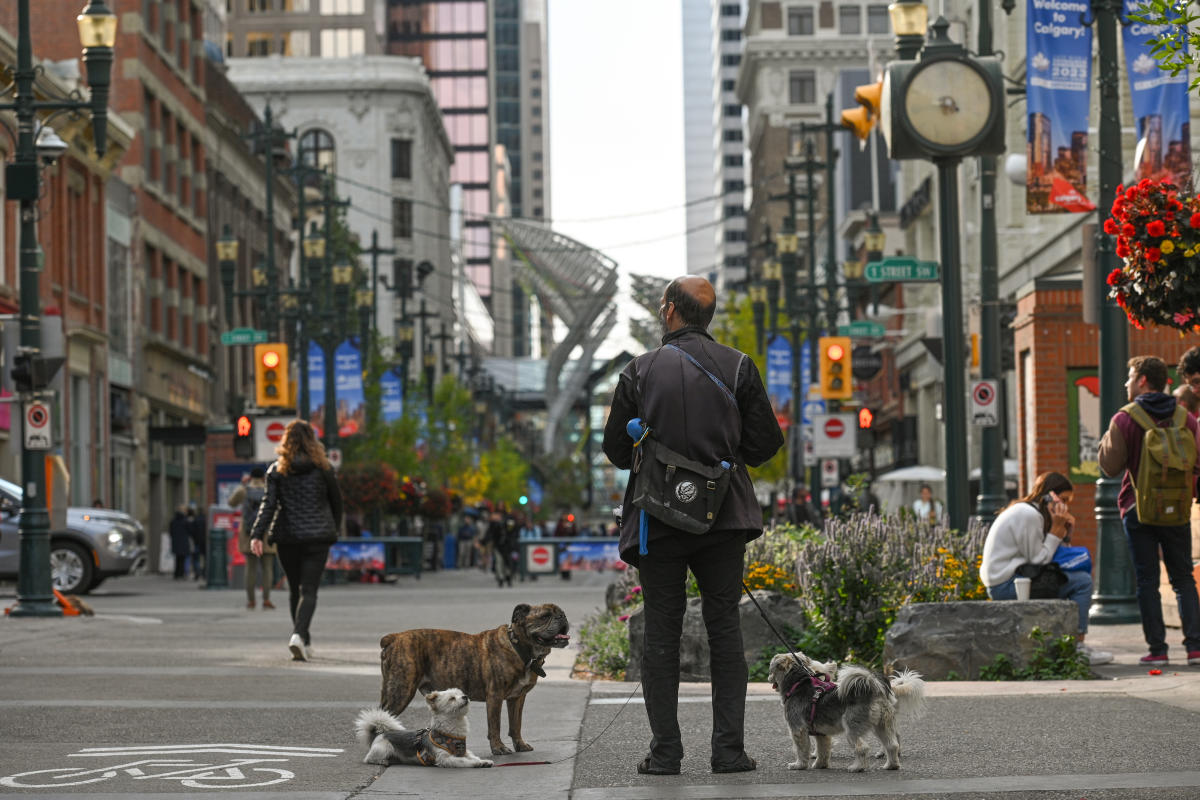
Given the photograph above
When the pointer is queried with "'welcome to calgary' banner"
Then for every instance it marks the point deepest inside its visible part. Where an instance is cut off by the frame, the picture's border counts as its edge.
(1058, 68)
(1160, 106)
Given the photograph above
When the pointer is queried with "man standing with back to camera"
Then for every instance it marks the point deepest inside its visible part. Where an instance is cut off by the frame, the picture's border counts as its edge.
(692, 415)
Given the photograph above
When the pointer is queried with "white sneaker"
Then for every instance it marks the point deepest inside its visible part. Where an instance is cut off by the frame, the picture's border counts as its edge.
(1097, 657)
(296, 645)
(308, 652)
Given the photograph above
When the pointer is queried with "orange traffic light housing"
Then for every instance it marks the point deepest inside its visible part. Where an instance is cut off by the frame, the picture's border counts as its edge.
(271, 387)
(862, 119)
(835, 367)
(243, 436)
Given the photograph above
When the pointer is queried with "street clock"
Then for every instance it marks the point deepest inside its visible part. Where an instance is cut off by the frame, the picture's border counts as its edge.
(946, 104)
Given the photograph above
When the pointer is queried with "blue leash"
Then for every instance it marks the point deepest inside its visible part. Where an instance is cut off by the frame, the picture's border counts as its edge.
(638, 431)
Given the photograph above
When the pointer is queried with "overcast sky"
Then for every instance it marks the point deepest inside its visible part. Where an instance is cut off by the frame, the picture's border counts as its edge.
(616, 134)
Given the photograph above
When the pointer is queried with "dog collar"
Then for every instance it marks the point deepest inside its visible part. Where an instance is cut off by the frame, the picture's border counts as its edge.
(454, 745)
(821, 687)
(525, 653)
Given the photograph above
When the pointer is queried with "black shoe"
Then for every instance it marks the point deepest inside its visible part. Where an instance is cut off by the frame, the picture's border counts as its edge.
(743, 764)
(644, 768)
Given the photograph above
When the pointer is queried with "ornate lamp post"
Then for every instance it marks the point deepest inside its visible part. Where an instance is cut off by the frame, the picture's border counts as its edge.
(314, 256)
(909, 21)
(343, 276)
(227, 253)
(97, 34)
(758, 307)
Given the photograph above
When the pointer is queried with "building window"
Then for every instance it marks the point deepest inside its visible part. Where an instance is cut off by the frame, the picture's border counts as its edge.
(259, 44)
(849, 20)
(402, 219)
(537, 174)
(536, 130)
(734, 210)
(733, 161)
(802, 87)
(733, 135)
(878, 20)
(335, 8)
(535, 74)
(535, 92)
(316, 150)
(730, 10)
(342, 42)
(258, 6)
(537, 157)
(731, 35)
(295, 43)
(537, 211)
(402, 158)
(732, 110)
(734, 186)
(728, 85)
(800, 21)
(536, 111)
(731, 59)
(735, 236)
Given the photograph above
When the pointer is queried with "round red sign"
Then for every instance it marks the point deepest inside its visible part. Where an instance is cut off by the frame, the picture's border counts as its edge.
(275, 431)
(540, 555)
(834, 428)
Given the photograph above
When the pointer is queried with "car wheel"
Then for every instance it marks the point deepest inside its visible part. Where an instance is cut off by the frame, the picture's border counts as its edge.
(70, 568)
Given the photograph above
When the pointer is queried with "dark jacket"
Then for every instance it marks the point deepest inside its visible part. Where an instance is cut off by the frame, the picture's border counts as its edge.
(692, 416)
(309, 502)
(1121, 446)
(181, 534)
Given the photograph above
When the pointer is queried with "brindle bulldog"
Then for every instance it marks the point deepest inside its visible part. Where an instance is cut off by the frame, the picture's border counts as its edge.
(497, 665)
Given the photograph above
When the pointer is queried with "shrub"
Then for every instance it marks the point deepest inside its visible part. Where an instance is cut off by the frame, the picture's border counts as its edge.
(604, 646)
(1053, 659)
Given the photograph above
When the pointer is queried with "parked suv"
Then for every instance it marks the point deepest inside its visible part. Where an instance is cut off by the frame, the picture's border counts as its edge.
(96, 544)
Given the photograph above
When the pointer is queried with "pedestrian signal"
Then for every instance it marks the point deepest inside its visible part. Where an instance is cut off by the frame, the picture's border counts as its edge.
(271, 374)
(243, 437)
(865, 418)
(835, 367)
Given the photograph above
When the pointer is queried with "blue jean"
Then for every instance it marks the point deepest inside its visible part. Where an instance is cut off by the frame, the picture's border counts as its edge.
(1078, 588)
(1175, 543)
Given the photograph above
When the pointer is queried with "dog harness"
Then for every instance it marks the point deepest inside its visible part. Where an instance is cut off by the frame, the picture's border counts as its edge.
(525, 653)
(821, 687)
(429, 739)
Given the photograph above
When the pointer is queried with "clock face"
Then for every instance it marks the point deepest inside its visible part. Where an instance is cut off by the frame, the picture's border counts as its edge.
(948, 103)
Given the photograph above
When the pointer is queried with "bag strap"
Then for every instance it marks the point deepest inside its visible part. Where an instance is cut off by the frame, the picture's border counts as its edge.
(714, 378)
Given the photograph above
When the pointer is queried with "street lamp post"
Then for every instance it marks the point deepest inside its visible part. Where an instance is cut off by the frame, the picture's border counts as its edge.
(342, 276)
(314, 256)
(97, 34)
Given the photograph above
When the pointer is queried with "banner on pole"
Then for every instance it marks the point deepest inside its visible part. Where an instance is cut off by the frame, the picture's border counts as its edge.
(392, 403)
(316, 385)
(779, 378)
(1058, 48)
(348, 386)
(1160, 105)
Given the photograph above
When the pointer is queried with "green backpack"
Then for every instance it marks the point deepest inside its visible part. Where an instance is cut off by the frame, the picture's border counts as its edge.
(1164, 481)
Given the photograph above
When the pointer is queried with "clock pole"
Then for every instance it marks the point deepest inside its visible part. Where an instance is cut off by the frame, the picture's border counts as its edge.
(955, 400)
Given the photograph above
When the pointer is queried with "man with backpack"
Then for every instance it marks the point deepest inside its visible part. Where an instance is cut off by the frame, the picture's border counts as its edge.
(250, 496)
(1154, 441)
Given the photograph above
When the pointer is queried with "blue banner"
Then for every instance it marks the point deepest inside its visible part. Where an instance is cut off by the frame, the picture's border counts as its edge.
(348, 385)
(316, 385)
(1160, 106)
(1058, 70)
(392, 403)
(779, 378)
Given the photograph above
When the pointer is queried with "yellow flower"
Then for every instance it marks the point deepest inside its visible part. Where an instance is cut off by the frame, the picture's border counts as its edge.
(1167, 246)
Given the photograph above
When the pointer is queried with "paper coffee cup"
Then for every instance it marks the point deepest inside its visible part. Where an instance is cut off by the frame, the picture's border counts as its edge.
(1022, 586)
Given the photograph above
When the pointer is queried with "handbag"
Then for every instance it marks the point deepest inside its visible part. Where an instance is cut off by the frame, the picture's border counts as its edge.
(673, 488)
(1073, 559)
(1045, 579)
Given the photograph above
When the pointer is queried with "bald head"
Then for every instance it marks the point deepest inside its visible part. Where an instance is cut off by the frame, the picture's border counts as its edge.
(689, 300)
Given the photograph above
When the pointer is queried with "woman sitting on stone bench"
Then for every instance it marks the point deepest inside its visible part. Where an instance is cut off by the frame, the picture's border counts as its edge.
(1028, 532)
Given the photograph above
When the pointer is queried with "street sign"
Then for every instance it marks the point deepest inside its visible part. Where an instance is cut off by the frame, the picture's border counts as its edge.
(985, 409)
(862, 329)
(335, 457)
(539, 559)
(833, 435)
(902, 269)
(810, 455)
(37, 426)
(243, 336)
(865, 362)
(268, 433)
(829, 473)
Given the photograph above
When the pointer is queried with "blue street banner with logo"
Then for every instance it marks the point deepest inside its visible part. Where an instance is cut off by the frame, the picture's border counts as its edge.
(779, 378)
(348, 386)
(1160, 105)
(1058, 68)
(392, 402)
(316, 384)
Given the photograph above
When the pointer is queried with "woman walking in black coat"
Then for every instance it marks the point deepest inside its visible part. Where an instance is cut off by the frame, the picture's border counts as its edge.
(302, 513)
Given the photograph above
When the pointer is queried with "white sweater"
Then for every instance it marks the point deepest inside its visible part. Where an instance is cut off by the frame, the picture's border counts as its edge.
(1015, 538)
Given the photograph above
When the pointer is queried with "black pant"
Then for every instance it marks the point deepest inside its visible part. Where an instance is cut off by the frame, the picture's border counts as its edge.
(303, 563)
(716, 561)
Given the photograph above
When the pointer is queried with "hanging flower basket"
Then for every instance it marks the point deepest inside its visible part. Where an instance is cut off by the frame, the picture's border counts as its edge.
(1158, 237)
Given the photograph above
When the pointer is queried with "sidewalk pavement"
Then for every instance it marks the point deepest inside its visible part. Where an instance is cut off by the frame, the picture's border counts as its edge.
(1125, 735)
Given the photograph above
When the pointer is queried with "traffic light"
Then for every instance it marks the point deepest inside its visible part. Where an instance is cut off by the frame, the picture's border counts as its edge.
(30, 372)
(866, 431)
(865, 418)
(271, 374)
(835, 367)
(243, 437)
(862, 119)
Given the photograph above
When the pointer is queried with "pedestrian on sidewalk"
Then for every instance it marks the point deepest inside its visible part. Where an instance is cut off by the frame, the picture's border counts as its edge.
(302, 510)
(249, 497)
(692, 415)
(1028, 531)
(198, 533)
(1121, 452)
(181, 541)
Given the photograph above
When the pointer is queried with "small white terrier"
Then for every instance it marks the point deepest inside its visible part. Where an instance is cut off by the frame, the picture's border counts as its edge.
(442, 744)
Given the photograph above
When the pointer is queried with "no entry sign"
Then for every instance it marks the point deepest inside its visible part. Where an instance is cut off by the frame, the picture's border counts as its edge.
(831, 435)
(541, 558)
(275, 432)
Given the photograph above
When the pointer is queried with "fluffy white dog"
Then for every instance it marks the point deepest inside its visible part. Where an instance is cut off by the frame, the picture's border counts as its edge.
(442, 744)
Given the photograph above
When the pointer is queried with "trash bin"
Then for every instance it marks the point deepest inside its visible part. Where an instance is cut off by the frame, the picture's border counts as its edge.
(217, 560)
(450, 552)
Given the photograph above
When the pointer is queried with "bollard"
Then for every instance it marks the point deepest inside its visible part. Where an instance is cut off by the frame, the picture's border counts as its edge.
(217, 573)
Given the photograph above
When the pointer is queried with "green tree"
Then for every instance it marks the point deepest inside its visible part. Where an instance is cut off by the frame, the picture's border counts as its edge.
(1175, 42)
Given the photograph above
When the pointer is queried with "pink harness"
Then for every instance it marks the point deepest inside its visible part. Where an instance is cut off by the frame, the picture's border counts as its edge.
(821, 687)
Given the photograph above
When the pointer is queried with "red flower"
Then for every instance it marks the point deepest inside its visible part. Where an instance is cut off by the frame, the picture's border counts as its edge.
(1156, 228)
(1153, 254)
(1122, 250)
(1114, 277)
(1195, 220)
(1110, 227)
(1128, 230)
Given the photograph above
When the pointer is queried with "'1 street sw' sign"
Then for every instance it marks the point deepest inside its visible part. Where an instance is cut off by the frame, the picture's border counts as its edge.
(902, 269)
